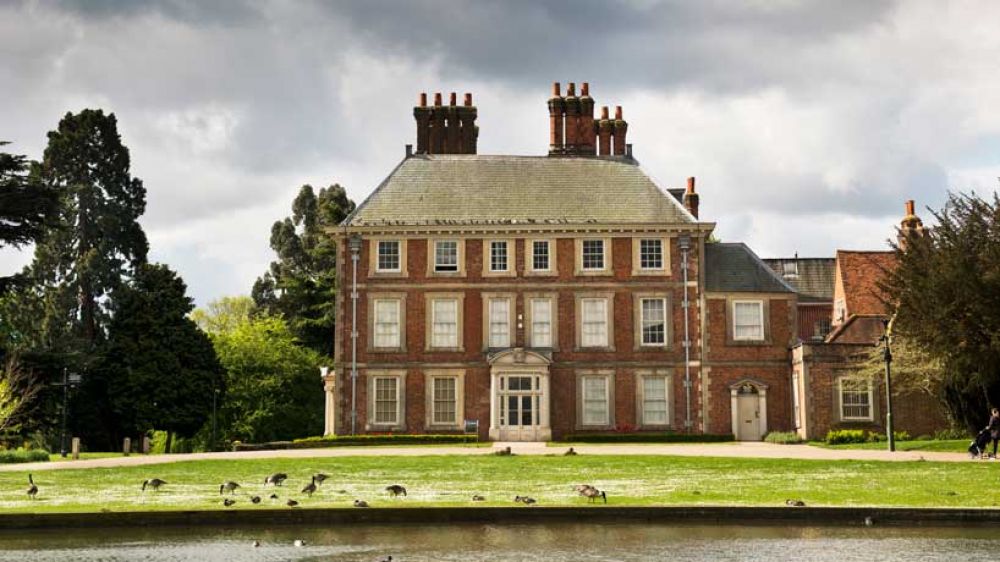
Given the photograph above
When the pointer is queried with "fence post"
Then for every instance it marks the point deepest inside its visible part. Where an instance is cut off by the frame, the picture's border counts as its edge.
(76, 448)
(127, 446)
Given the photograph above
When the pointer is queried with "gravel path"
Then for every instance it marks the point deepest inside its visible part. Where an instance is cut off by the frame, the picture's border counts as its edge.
(739, 450)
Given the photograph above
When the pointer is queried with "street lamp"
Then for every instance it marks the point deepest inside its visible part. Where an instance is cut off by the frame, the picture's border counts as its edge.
(887, 356)
(69, 380)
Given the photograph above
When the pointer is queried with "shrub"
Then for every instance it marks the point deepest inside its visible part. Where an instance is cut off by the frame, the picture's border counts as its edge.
(880, 437)
(783, 437)
(842, 436)
(356, 440)
(23, 455)
(951, 433)
(645, 438)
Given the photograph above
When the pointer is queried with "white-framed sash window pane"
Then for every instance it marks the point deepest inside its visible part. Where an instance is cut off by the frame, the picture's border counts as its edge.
(654, 321)
(654, 400)
(498, 255)
(388, 255)
(540, 255)
(444, 323)
(651, 254)
(446, 255)
(499, 323)
(748, 320)
(445, 404)
(595, 400)
(387, 327)
(855, 399)
(593, 254)
(386, 400)
(541, 322)
(594, 327)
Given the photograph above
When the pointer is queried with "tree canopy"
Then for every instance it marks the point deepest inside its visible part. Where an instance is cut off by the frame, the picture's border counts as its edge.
(27, 206)
(301, 284)
(946, 291)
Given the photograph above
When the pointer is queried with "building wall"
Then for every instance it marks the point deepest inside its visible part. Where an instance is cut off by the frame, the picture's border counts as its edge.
(811, 317)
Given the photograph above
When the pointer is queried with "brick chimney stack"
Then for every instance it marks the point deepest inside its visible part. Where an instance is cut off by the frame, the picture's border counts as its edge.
(586, 132)
(620, 128)
(691, 198)
(572, 105)
(910, 227)
(556, 110)
(449, 129)
(604, 127)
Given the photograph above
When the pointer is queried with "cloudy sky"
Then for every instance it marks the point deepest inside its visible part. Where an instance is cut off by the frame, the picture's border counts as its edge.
(807, 124)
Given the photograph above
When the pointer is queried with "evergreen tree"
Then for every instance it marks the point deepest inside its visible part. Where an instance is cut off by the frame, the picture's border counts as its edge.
(301, 285)
(946, 290)
(98, 242)
(27, 207)
(158, 369)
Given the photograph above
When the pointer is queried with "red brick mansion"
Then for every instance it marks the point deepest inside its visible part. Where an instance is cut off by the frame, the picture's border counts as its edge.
(542, 296)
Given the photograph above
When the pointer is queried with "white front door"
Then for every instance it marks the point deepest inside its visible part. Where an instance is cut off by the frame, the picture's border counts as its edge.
(519, 400)
(748, 416)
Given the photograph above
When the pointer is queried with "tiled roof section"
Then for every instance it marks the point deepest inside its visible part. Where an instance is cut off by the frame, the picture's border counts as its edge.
(479, 189)
(860, 273)
(733, 267)
(812, 278)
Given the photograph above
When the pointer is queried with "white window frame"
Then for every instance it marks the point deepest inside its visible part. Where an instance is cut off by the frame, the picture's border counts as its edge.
(433, 317)
(584, 322)
(662, 256)
(533, 318)
(398, 379)
(643, 322)
(430, 380)
(535, 245)
(378, 256)
(760, 309)
(435, 401)
(644, 399)
(606, 379)
(497, 339)
(398, 304)
(870, 392)
(529, 256)
(494, 244)
(458, 256)
(583, 254)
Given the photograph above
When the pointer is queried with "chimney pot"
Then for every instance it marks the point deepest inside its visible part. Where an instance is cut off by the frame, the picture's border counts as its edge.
(423, 99)
(618, 112)
(571, 89)
(585, 89)
(556, 90)
(437, 99)
(604, 112)
(691, 200)
(453, 100)
(690, 188)
(468, 99)
(909, 207)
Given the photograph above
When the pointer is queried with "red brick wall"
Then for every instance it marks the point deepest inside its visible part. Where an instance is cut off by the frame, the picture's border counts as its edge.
(809, 318)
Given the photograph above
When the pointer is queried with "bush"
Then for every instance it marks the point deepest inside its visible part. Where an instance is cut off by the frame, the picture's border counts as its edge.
(880, 437)
(356, 440)
(645, 438)
(951, 433)
(783, 437)
(842, 436)
(23, 455)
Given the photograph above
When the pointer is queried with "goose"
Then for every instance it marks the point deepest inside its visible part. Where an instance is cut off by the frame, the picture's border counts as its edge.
(228, 502)
(795, 503)
(525, 500)
(274, 496)
(593, 493)
(360, 503)
(32, 488)
(152, 483)
(292, 503)
(581, 488)
(276, 479)
(256, 544)
(310, 488)
(570, 452)
(478, 498)
(869, 521)
(505, 452)
(396, 490)
(255, 499)
(299, 543)
(320, 478)
(228, 486)
(386, 559)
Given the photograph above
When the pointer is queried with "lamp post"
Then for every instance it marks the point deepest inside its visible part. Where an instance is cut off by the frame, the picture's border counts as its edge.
(355, 245)
(69, 380)
(887, 356)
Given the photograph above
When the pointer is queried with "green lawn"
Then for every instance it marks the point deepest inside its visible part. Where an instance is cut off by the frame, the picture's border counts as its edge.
(945, 446)
(83, 456)
(452, 480)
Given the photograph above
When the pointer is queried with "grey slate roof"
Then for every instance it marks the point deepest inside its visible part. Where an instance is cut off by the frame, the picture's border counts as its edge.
(733, 267)
(814, 277)
(480, 189)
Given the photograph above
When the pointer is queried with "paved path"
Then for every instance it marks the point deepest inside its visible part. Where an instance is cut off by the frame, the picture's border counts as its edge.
(738, 450)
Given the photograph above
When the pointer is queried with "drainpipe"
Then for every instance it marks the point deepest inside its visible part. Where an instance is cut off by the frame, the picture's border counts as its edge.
(355, 250)
(685, 245)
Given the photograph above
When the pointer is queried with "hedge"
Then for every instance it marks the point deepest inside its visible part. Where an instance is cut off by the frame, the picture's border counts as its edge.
(356, 440)
(23, 455)
(645, 438)
(783, 438)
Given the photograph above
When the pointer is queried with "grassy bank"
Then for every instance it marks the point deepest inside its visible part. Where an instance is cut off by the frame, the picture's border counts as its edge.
(942, 446)
(452, 480)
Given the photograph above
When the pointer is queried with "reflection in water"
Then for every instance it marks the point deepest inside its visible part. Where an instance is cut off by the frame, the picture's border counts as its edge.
(555, 542)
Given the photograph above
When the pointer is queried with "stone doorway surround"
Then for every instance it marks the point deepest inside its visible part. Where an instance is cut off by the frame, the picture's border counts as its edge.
(748, 386)
(520, 362)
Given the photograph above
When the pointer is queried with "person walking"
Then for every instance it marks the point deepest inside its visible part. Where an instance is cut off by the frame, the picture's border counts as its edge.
(994, 427)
